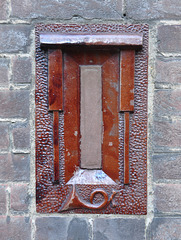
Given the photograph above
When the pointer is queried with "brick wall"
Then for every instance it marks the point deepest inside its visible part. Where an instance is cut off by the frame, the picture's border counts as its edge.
(18, 217)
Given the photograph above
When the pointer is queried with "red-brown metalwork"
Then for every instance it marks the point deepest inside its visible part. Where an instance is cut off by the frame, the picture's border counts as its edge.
(110, 80)
(127, 100)
(55, 80)
(74, 201)
(110, 146)
(127, 81)
(71, 116)
(58, 134)
(55, 97)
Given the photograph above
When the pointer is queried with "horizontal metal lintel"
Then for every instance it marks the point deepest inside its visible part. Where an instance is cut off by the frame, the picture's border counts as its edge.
(135, 40)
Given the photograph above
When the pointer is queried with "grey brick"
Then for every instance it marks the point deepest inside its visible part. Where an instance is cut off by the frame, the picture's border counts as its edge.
(21, 137)
(122, 229)
(66, 9)
(151, 9)
(14, 167)
(166, 135)
(19, 197)
(61, 228)
(167, 198)
(167, 102)
(3, 10)
(14, 38)
(56, 228)
(21, 70)
(4, 137)
(168, 71)
(78, 229)
(165, 228)
(4, 71)
(167, 166)
(14, 104)
(15, 228)
(169, 38)
(3, 200)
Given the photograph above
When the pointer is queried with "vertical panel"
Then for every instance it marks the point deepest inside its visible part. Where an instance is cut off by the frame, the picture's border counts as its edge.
(110, 147)
(127, 100)
(91, 117)
(71, 116)
(55, 79)
(127, 80)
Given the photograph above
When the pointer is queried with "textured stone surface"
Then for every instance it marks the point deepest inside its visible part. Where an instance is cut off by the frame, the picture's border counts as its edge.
(19, 197)
(4, 136)
(14, 104)
(167, 102)
(14, 167)
(167, 166)
(67, 9)
(14, 38)
(168, 71)
(151, 9)
(167, 228)
(4, 68)
(3, 199)
(122, 229)
(169, 38)
(61, 228)
(3, 9)
(15, 228)
(21, 137)
(21, 70)
(166, 135)
(168, 198)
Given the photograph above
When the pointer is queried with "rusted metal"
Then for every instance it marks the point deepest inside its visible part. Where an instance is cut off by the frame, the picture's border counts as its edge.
(55, 79)
(99, 184)
(116, 39)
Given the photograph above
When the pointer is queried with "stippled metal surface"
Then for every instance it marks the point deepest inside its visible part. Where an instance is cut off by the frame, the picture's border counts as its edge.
(92, 198)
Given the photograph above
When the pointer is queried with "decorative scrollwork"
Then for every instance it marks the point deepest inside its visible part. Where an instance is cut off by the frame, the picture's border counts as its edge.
(74, 200)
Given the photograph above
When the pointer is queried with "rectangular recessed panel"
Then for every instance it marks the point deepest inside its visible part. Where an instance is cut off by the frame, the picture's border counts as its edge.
(91, 116)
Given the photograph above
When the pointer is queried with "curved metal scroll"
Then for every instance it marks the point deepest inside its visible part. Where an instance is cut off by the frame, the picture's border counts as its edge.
(74, 202)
